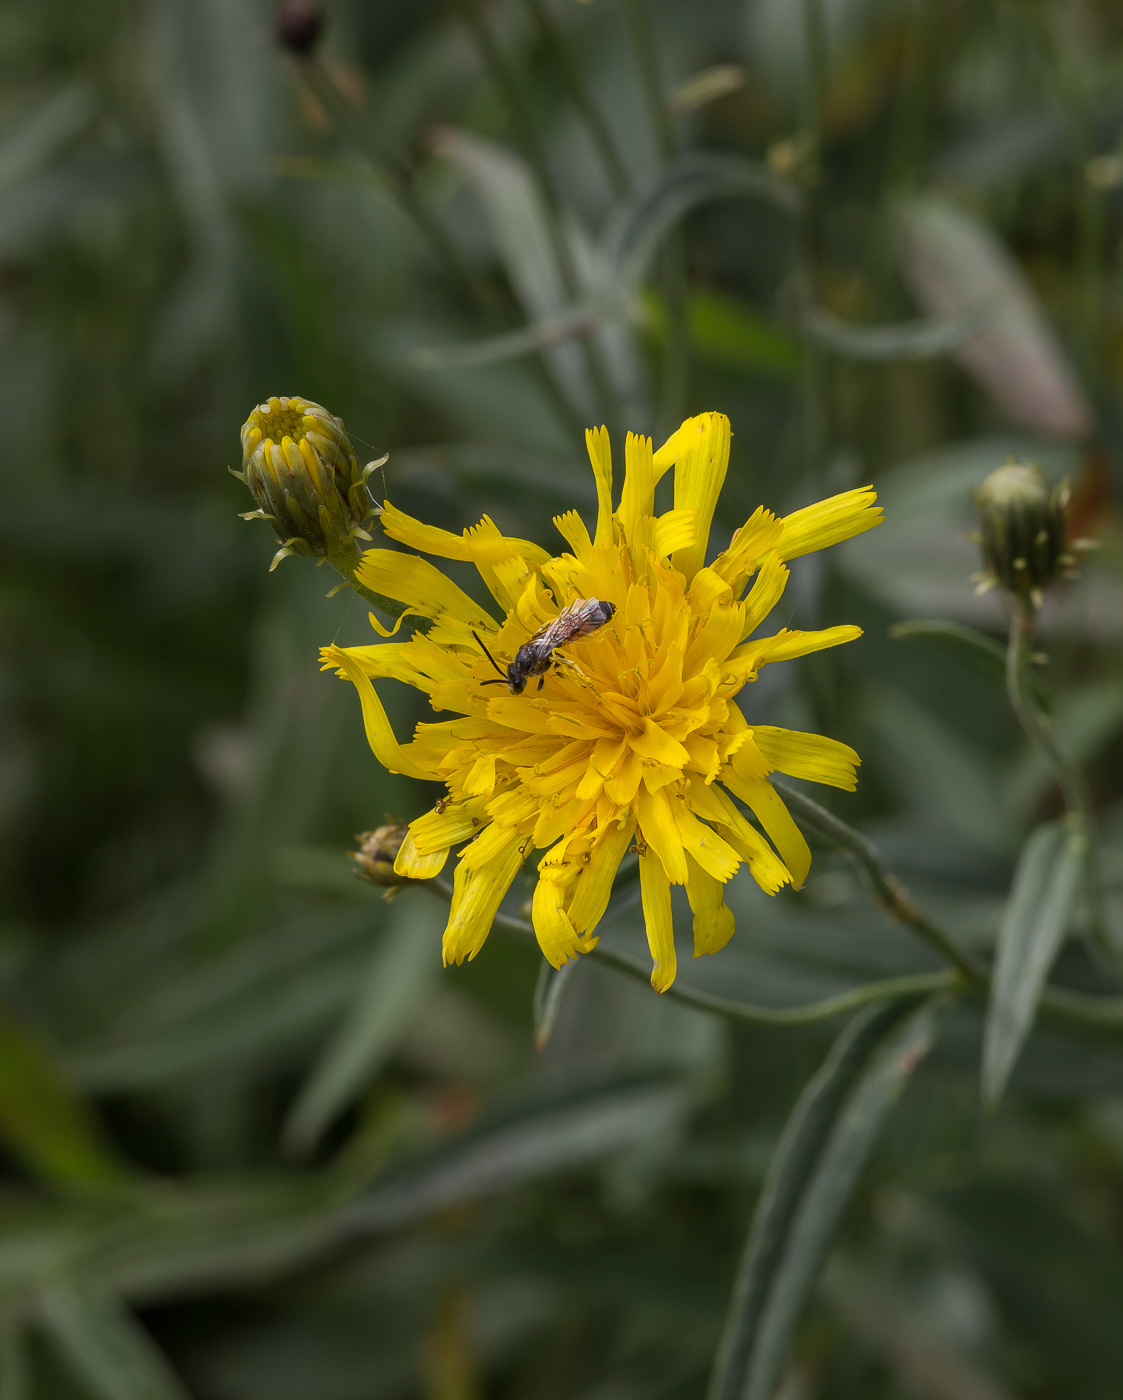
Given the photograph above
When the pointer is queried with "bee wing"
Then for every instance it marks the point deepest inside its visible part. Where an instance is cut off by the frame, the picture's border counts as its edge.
(577, 619)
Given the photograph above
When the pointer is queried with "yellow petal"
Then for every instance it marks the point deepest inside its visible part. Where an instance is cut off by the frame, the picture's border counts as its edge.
(559, 941)
(656, 744)
(659, 831)
(713, 921)
(716, 806)
(827, 522)
(758, 535)
(765, 593)
(572, 529)
(714, 855)
(809, 756)
(656, 893)
(637, 497)
(429, 539)
(477, 895)
(675, 530)
(785, 646)
(480, 779)
(415, 581)
(411, 864)
(594, 883)
(600, 455)
(380, 736)
(455, 821)
(699, 476)
(667, 455)
(768, 807)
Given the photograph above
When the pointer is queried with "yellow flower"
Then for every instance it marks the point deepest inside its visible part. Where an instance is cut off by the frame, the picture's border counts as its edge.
(635, 738)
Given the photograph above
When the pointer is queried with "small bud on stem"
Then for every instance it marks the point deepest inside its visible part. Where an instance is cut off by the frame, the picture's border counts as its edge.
(374, 860)
(1023, 532)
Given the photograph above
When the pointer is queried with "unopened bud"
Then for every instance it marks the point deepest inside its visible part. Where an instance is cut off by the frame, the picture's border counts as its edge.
(298, 26)
(374, 860)
(305, 478)
(1023, 531)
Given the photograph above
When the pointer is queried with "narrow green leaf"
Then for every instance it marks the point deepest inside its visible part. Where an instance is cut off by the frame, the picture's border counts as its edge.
(546, 1135)
(400, 975)
(821, 1153)
(105, 1345)
(547, 999)
(1037, 914)
(42, 1121)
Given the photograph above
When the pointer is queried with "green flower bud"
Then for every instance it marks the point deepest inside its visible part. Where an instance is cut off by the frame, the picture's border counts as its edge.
(376, 855)
(1023, 531)
(305, 478)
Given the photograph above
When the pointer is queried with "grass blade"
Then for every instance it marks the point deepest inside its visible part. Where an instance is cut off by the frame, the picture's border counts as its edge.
(1046, 884)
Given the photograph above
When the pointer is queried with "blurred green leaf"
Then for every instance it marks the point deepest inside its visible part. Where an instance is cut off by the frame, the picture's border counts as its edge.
(1037, 914)
(401, 974)
(43, 1121)
(638, 227)
(551, 1132)
(105, 1345)
(729, 332)
(955, 263)
(825, 1145)
(15, 1378)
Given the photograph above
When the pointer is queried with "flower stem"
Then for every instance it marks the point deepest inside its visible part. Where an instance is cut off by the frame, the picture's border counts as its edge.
(888, 888)
(345, 562)
(889, 989)
(1039, 730)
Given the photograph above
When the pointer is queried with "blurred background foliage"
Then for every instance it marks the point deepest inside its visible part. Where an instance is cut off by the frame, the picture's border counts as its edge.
(256, 1143)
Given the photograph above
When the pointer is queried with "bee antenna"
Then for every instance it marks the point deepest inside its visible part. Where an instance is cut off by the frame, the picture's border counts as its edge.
(491, 659)
(502, 682)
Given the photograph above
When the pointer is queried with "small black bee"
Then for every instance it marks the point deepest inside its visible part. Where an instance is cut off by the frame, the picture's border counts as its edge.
(534, 658)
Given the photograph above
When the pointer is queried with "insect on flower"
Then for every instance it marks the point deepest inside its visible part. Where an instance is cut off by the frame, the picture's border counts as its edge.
(534, 658)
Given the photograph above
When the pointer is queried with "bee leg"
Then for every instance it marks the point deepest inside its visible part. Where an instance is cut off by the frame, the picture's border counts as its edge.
(541, 682)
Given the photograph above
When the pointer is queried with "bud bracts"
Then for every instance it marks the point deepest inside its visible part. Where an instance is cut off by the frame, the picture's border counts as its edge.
(305, 478)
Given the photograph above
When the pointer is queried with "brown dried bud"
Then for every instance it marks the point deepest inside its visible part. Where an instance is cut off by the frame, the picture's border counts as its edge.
(374, 860)
(299, 26)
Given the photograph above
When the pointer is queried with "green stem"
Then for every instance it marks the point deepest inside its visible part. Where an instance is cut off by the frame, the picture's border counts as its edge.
(888, 888)
(890, 989)
(582, 99)
(1040, 732)
(345, 561)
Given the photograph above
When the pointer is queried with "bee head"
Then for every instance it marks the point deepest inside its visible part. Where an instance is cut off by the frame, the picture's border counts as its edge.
(516, 681)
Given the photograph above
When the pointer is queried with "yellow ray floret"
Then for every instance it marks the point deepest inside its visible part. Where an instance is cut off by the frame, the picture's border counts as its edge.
(633, 741)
